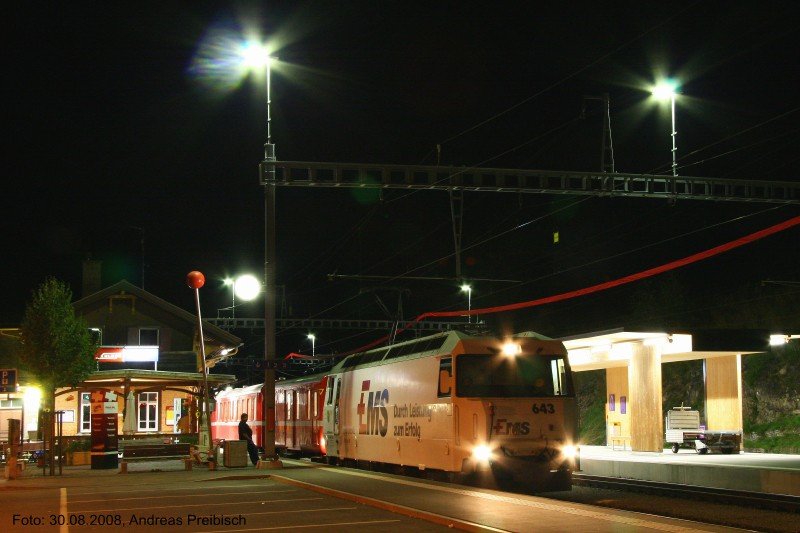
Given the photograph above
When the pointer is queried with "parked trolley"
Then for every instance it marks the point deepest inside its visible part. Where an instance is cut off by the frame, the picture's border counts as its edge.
(683, 430)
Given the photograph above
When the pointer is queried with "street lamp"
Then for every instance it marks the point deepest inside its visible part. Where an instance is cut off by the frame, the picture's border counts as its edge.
(468, 289)
(666, 90)
(313, 339)
(246, 287)
(255, 56)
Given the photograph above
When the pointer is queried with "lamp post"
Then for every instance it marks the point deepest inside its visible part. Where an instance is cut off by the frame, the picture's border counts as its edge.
(667, 90)
(195, 280)
(256, 56)
(468, 289)
(313, 339)
(230, 282)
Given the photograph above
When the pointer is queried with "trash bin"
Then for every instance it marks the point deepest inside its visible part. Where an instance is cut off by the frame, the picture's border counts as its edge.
(234, 453)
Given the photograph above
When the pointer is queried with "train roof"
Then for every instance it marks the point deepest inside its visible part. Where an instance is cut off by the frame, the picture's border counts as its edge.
(439, 343)
(423, 346)
(238, 391)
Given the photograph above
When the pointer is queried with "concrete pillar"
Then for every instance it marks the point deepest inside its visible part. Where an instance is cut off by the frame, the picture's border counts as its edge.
(723, 393)
(644, 404)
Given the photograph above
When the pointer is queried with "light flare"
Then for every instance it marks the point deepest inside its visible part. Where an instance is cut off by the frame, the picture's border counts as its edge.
(482, 453)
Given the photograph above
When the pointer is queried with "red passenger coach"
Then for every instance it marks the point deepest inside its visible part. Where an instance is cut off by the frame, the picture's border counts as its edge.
(231, 403)
(298, 414)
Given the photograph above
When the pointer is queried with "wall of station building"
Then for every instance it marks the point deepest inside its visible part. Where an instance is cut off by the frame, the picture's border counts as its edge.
(77, 421)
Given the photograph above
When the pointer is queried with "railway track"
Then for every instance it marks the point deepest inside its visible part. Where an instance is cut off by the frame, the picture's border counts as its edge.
(759, 500)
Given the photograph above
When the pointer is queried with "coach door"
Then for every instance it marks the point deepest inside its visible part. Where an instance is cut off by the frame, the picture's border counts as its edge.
(331, 418)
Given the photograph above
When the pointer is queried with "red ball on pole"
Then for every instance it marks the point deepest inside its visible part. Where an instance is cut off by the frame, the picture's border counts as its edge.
(195, 279)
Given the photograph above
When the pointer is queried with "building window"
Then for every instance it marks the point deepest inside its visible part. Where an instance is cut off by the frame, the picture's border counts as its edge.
(96, 336)
(148, 411)
(148, 336)
(86, 412)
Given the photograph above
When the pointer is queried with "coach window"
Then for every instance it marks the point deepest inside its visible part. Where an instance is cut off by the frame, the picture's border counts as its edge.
(445, 377)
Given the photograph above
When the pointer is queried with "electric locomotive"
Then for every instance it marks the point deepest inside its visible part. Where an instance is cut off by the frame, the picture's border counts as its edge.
(451, 403)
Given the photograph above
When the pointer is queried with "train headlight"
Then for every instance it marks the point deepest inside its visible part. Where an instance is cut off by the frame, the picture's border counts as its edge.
(511, 348)
(569, 452)
(482, 453)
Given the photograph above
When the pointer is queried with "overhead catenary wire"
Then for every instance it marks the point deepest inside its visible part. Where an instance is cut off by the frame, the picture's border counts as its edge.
(644, 274)
(665, 166)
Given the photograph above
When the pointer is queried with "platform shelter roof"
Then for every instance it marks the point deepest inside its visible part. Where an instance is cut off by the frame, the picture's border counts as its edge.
(614, 347)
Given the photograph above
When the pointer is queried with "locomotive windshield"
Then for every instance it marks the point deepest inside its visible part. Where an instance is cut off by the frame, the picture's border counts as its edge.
(512, 377)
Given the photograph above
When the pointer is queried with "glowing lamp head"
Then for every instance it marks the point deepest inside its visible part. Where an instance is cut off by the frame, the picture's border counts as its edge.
(247, 287)
(466, 288)
(778, 340)
(31, 398)
(482, 453)
(255, 55)
(195, 279)
(665, 90)
(511, 349)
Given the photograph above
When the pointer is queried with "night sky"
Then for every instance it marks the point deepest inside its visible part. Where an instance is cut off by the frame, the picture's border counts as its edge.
(116, 131)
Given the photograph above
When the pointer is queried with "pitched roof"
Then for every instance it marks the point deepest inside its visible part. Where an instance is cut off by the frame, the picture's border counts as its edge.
(209, 330)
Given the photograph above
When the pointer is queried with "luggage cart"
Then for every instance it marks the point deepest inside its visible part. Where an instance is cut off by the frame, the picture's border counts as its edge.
(683, 430)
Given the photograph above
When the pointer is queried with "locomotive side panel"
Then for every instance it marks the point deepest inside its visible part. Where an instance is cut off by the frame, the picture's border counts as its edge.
(393, 413)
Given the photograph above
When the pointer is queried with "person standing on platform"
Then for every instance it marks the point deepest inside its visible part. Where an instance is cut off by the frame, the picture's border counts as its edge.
(245, 433)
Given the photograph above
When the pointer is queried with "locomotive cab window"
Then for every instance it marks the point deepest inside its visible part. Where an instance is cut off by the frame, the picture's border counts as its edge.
(329, 401)
(445, 378)
(511, 377)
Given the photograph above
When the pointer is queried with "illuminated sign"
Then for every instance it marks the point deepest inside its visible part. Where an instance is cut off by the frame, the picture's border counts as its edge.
(8, 380)
(126, 354)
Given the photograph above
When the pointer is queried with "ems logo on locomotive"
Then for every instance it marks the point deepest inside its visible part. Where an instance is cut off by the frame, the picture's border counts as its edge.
(507, 427)
(375, 409)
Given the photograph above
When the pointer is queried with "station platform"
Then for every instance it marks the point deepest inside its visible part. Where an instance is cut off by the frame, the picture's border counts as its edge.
(473, 509)
(443, 505)
(754, 472)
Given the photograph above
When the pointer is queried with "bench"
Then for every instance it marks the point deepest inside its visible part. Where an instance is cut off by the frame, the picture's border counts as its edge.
(155, 452)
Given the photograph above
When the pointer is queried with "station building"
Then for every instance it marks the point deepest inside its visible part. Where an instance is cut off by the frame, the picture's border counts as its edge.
(148, 356)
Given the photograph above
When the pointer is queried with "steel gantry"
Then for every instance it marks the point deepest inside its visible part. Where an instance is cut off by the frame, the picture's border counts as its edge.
(333, 323)
(456, 180)
(358, 175)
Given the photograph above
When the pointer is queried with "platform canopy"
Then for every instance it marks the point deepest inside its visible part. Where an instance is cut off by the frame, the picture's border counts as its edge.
(141, 379)
(614, 348)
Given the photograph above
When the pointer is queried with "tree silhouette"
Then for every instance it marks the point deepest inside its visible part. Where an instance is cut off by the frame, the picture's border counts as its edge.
(56, 347)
